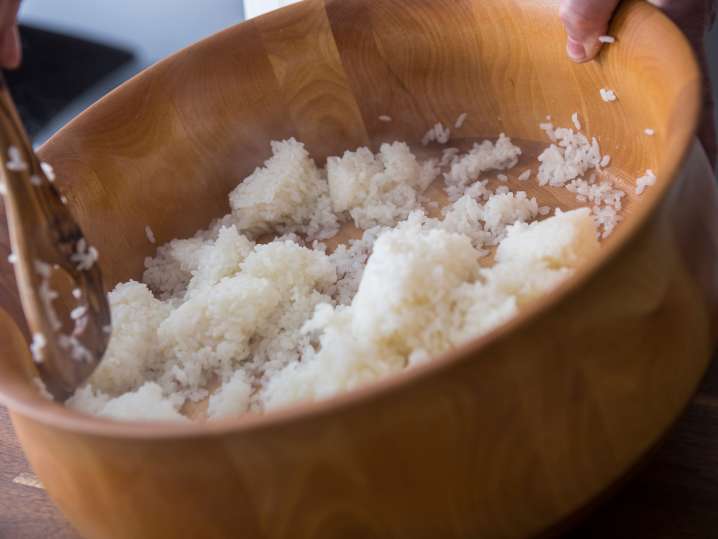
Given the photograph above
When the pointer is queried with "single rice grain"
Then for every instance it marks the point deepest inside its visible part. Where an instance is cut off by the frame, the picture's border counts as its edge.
(460, 120)
(576, 121)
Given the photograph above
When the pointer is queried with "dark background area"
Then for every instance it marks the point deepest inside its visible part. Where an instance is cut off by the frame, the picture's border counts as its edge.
(57, 70)
(75, 51)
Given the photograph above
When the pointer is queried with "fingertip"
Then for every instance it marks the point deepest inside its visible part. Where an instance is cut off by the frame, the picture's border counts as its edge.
(583, 52)
(575, 50)
(593, 47)
(585, 21)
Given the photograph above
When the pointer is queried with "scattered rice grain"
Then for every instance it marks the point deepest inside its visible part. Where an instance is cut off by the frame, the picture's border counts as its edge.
(37, 347)
(15, 162)
(78, 312)
(645, 181)
(48, 170)
(576, 121)
(438, 133)
(608, 95)
(150, 234)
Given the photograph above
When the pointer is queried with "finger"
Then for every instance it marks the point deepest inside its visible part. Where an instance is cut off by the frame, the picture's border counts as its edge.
(585, 22)
(10, 49)
(8, 13)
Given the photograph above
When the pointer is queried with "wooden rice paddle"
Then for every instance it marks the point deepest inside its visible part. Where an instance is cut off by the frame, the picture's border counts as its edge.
(51, 258)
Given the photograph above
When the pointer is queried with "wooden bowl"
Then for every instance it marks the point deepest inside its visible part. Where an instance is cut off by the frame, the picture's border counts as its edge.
(507, 436)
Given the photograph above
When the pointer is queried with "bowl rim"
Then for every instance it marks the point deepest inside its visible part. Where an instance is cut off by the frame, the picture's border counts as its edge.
(33, 406)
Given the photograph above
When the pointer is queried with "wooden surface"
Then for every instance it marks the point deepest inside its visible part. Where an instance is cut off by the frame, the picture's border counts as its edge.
(673, 496)
(506, 435)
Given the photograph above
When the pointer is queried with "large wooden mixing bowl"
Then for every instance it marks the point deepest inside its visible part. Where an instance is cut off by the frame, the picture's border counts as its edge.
(507, 436)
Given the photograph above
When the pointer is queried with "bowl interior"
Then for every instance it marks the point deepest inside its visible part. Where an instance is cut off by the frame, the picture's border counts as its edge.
(167, 147)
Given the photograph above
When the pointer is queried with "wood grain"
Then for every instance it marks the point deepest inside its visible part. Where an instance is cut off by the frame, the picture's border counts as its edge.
(673, 496)
(25, 512)
(504, 437)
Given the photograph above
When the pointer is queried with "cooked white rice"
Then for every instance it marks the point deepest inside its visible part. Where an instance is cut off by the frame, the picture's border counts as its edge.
(483, 157)
(150, 234)
(37, 347)
(78, 312)
(288, 321)
(644, 182)
(460, 120)
(608, 95)
(448, 155)
(576, 121)
(569, 156)
(566, 162)
(438, 133)
(15, 162)
(47, 294)
(378, 189)
(85, 255)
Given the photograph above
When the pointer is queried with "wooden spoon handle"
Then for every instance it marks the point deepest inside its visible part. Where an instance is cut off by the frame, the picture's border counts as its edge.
(44, 234)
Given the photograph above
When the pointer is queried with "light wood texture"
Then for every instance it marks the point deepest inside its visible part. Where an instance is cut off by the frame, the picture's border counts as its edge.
(504, 437)
(672, 497)
(44, 233)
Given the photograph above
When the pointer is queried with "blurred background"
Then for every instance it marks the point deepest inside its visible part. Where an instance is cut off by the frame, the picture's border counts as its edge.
(76, 51)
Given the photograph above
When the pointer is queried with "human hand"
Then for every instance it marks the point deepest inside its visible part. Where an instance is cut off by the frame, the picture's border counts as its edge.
(10, 50)
(587, 20)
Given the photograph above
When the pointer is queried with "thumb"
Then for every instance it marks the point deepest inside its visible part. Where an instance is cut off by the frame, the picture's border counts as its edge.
(10, 49)
(585, 22)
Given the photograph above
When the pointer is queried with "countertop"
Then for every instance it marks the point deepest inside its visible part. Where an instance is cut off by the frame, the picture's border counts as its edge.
(673, 496)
